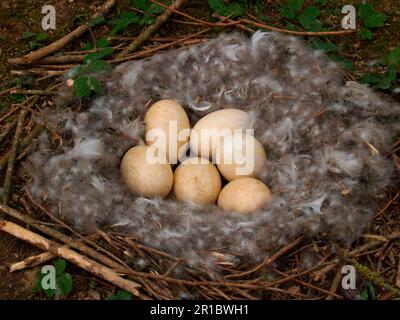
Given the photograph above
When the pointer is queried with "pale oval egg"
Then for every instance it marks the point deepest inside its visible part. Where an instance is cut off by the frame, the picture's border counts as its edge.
(240, 155)
(244, 195)
(197, 180)
(143, 176)
(205, 135)
(167, 124)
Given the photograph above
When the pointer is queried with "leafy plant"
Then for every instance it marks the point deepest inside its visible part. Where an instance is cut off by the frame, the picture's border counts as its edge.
(388, 79)
(123, 21)
(291, 8)
(371, 19)
(368, 292)
(36, 40)
(232, 10)
(64, 283)
(121, 295)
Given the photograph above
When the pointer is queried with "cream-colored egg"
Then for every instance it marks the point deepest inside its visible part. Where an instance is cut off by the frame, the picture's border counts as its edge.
(244, 195)
(143, 176)
(240, 155)
(166, 118)
(205, 135)
(197, 180)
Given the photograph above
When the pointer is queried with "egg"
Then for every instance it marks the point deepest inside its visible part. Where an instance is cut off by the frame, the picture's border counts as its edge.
(244, 195)
(167, 124)
(197, 180)
(205, 135)
(143, 176)
(240, 155)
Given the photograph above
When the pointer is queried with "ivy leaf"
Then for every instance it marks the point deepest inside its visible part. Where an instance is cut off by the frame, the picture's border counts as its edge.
(342, 61)
(121, 295)
(123, 21)
(370, 17)
(290, 9)
(232, 9)
(60, 266)
(27, 35)
(96, 21)
(370, 78)
(84, 85)
(366, 34)
(388, 80)
(142, 4)
(42, 36)
(98, 66)
(295, 5)
(103, 53)
(65, 284)
(102, 43)
(394, 57)
(308, 19)
(318, 44)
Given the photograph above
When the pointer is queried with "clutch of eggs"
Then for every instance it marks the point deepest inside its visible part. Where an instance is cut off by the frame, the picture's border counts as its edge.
(222, 137)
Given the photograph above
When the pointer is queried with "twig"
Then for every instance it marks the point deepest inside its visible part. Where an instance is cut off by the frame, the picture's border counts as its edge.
(148, 32)
(32, 261)
(146, 52)
(298, 33)
(7, 130)
(24, 143)
(268, 260)
(49, 60)
(240, 26)
(387, 205)
(12, 157)
(69, 255)
(35, 92)
(59, 44)
(335, 283)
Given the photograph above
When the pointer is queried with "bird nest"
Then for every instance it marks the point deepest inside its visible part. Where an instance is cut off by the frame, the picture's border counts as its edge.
(325, 141)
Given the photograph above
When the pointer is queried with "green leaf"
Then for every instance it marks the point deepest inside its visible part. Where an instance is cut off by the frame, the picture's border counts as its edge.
(96, 21)
(368, 292)
(65, 283)
(102, 43)
(155, 9)
(366, 34)
(17, 98)
(388, 80)
(81, 87)
(121, 295)
(125, 19)
(60, 266)
(394, 56)
(370, 17)
(98, 66)
(105, 52)
(38, 287)
(87, 46)
(295, 5)
(370, 78)
(308, 19)
(342, 61)
(27, 35)
(142, 4)
(322, 45)
(287, 12)
(232, 10)
(42, 36)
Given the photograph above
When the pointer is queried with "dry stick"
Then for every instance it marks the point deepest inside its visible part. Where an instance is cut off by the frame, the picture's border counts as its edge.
(240, 26)
(32, 261)
(387, 205)
(298, 33)
(152, 50)
(12, 157)
(23, 144)
(268, 260)
(203, 22)
(7, 130)
(49, 60)
(69, 255)
(59, 44)
(256, 24)
(335, 283)
(60, 237)
(148, 32)
(35, 92)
